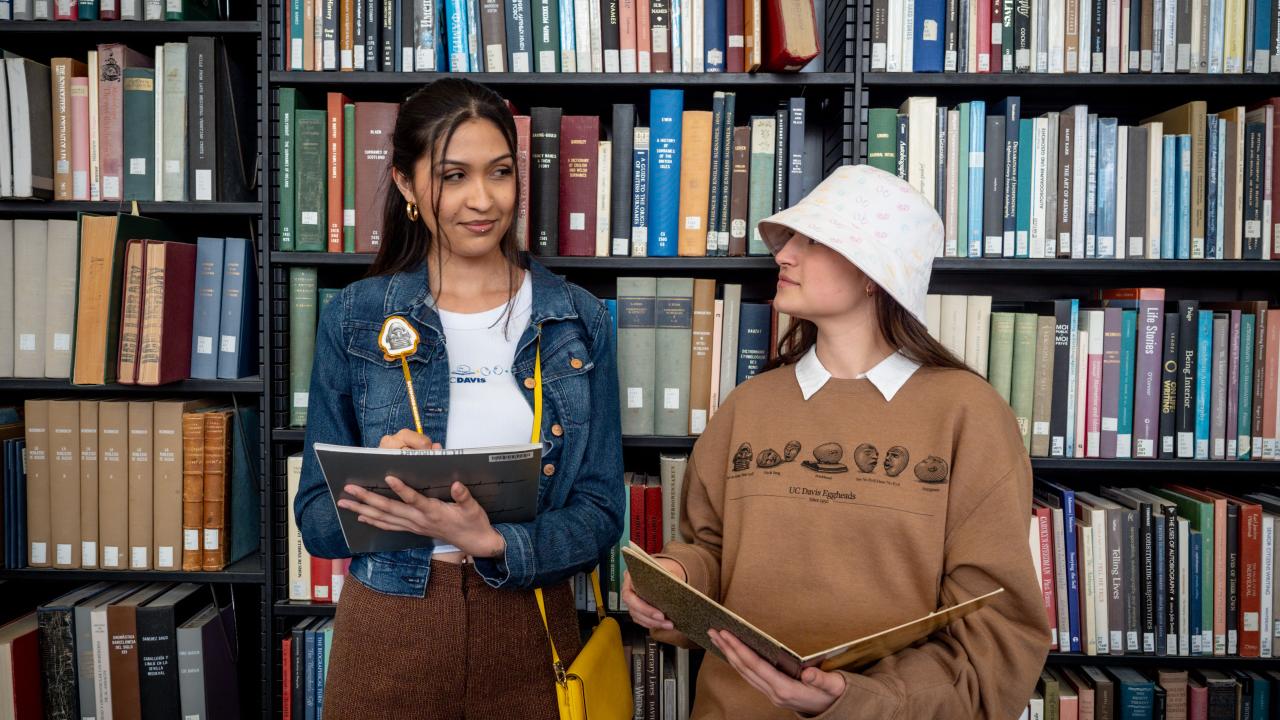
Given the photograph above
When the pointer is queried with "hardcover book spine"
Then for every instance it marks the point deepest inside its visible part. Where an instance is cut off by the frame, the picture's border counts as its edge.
(545, 182)
(622, 195)
(674, 321)
(578, 167)
(665, 125)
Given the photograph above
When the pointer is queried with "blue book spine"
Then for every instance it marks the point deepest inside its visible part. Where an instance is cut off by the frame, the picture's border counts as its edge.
(640, 194)
(1128, 355)
(612, 305)
(977, 150)
(1262, 21)
(473, 36)
(1217, 16)
(665, 110)
(962, 175)
(295, 33)
(1244, 423)
(397, 32)
(568, 40)
(1022, 237)
(1168, 197)
(317, 670)
(1137, 701)
(1194, 599)
(309, 686)
(754, 322)
(1162, 620)
(1106, 200)
(87, 10)
(456, 24)
(237, 335)
(1068, 498)
(208, 303)
(1091, 191)
(1204, 374)
(795, 151)
(1262, 697)
(713, 35)
(243, 535)
(930, 21)
(1185, 251)
(1074, 402)
(1211, 189)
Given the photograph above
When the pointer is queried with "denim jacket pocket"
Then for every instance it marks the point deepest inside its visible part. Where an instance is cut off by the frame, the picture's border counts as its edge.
(378, 388)
(565, 378)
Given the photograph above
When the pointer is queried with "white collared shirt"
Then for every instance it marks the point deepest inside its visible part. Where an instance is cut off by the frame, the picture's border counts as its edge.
(888, 376)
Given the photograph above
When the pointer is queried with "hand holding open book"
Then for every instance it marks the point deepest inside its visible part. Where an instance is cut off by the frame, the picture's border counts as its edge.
(695, 614)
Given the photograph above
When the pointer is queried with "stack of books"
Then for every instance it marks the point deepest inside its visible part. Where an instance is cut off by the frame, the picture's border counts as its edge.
(1087, 691)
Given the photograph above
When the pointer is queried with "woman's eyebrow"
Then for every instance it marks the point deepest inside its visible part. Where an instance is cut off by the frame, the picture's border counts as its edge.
(500, 158)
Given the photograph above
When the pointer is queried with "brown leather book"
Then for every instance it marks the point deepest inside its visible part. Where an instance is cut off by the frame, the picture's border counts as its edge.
(113, 483)
(660, 38)
(1189, 119)
(164, 346)
(64, 482)
(347, 35)
(734, 28)
(523, 140)
(217, 451)
(1144, 56)
(89, 483)
(62, 70)
(131, 311)
(168, 479)
(752, 35)
(579, 161)
(192, 489)
(39, 531)
(695, 182)
(739, 194)
(122, 651)
(141, 468)
(704, 305)
(334, 135)
(375, 122)
(1234, 181)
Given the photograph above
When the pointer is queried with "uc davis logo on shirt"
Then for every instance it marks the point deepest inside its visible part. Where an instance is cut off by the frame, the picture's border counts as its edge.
(466, 375)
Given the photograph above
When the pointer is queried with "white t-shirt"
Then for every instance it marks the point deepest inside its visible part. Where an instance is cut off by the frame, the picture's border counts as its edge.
(486, 401)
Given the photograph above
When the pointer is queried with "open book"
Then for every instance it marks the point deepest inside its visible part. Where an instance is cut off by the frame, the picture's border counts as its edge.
(694, 614)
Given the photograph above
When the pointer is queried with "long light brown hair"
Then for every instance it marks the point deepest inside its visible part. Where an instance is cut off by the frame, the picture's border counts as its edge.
(900, 329)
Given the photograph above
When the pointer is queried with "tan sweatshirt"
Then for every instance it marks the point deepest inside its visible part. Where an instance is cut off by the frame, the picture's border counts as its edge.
(827, 519)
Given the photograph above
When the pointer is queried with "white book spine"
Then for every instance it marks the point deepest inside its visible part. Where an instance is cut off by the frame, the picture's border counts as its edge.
(1084, 59)
(1057, 34)
(594, 31)
(1102, 623)
(1079, 181)
(953, 184)
(582, 33)
(1060, 579)
(908, 35)
(1039, 168)
(1152, 59)
(1267, 596)
(922, 121)
(604, 156)
(101, 662)
(1217, 10)
(893, 50)
(1171, 49)
(157, 155)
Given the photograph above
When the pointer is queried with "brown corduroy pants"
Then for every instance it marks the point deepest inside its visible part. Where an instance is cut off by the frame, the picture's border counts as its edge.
(464, 651)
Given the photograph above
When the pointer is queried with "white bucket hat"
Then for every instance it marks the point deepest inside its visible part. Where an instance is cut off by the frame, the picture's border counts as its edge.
(876, 221)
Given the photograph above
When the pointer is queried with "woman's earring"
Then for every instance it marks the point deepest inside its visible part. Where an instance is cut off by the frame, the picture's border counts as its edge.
(870, 291)
(411, 209)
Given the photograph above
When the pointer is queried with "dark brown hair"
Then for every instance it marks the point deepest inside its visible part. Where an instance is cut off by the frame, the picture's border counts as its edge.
(424, 127)
(900, 329)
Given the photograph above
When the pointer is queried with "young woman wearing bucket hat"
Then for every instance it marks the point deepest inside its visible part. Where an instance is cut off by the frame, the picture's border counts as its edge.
(903, 487)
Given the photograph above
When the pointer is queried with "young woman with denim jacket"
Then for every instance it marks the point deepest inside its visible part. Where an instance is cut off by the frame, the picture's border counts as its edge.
(453, 630)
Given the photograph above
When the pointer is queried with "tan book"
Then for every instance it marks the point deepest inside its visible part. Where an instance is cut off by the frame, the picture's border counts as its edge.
(64, 482)
(30, 240)
(141, 471)
(62, 254)
(168, 469)
(1174, 683)
(753, 36)
(309, 30)
(193, 489)
(955, 311)
(217, 461)
(98, 284)
(347, 36)
(1189, 119)
(1233, 184)
(89, 483)
(693, 614)
(39, 530)
(977, 330)
(131, 311)
(299, 558)
(704, 302)
(695, 182)
(1042, 397)
(62, 70)
(113, 483)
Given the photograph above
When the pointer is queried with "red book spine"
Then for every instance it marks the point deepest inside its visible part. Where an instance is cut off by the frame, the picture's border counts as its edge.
(1044, 523)
(579, 138)
(335, 103)
(791, 35)
(286, 677)
(66, 10)
(996, 20)
(27, 697)
(637, 515)
(653, 519)
(375, 122)
(80, 138)
(109, 10)
(735, 27)
(644, 39)
(1093, 423)
(1250, 580)
(320, 571)
(177, 303)
(984, 36)
(522, 175)
(112, 60)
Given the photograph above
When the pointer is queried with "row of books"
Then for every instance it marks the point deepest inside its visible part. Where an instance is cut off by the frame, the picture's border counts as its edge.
(13, 442)
(1075, 36)
(304, 667)
(93, 301)
(132, 485)
(1184, 184)
(1169, 570)
(693, 183)
(1087, 692)
(311, 579)
(158, 650)
(1128, 376)
(125, 126)
(172, 10)
(550, 36)
(662, 678)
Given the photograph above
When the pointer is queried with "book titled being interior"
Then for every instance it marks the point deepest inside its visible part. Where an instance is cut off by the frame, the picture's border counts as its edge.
(503, 479)
(694, 614)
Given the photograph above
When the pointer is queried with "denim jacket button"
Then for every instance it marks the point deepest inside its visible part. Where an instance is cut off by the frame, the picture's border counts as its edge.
(528, 383)
(557, 430)
(548, 469)
(575, 363)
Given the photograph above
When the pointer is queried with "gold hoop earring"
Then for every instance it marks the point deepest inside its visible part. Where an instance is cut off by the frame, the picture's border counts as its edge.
(411, 209)
(870, 292)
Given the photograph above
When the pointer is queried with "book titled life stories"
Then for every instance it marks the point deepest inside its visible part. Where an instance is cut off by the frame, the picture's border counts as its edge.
(694, 614)
(503, 479)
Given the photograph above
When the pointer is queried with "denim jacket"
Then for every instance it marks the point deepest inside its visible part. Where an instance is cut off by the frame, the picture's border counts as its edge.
(356, 397)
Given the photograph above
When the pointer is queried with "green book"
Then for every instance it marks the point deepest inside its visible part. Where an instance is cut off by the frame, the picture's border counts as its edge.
(1022, 385)
(287, 101)
(302, 340)
(1200, 516)
(139, 133)
(1049, 690)
(173, 176)
(637, 352)
(191, 10)
(760, 186)
(882, 139)
(349, 178)
(1000, 354)
(1026, 141)
(1128, 354)
(962, 177)
(673, 316)
(310, 188)
(1244, 421)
